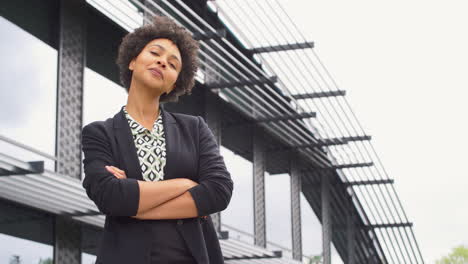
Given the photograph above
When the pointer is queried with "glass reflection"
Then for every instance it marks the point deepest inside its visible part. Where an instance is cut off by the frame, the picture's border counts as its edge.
(28, 88)
(26, 235)
(102, 98)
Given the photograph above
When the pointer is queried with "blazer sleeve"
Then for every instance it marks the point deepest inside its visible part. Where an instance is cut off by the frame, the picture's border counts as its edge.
(112, 196)
(214, 190)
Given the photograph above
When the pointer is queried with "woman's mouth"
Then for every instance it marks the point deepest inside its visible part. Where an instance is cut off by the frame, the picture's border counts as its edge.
(156, 73)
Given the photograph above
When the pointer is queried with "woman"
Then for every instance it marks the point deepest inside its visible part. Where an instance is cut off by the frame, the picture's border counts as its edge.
(156, 175)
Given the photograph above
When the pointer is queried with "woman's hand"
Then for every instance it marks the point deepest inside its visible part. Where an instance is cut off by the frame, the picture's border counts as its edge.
(117, 172)
(120, 174)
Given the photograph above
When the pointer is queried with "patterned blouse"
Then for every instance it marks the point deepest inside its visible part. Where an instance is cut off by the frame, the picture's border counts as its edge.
(150, 146)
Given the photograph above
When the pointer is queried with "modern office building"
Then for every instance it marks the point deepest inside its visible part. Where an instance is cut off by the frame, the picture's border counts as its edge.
(308, 183)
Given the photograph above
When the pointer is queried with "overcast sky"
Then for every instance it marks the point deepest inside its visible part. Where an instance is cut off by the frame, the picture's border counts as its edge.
(404, 66)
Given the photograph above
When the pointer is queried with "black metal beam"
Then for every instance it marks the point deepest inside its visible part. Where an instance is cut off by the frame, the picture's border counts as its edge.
(224, 235)
(375, 226)
(271, 119)
(354, 183)
(352, 165)
(389, 225)
(223, 85)
(356, 138)
(340, 166)
(220, 33)
(323, 143)
(287, 117)
(276, 254)
(285, 47)
(341, 140)
(37, 167)
(88, 213)
(319, 94)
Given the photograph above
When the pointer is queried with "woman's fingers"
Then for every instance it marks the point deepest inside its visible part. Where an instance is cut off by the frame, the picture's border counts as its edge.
(116, 171)
(109, 169)
(121, 172)
(113, 171)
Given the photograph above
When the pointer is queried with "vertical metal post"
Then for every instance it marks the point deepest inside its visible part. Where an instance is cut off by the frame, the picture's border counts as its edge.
(350, 232)
(326, 218)
(71, 62)
(296, 176)
(259, 161)
(213, 119)
(67, 241)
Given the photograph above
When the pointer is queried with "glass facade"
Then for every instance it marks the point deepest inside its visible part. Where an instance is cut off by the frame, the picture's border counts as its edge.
(27, 114)
(102, 98)
(87, 258)
(28, 82)
(278, 210)
(90, 238)
(26, 235)
(239, 213)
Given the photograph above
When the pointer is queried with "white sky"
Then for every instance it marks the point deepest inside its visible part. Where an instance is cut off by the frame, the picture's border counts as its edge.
(404, 67)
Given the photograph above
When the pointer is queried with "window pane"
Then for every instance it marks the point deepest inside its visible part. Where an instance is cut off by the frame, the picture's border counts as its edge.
(102, 98)
(26, 235)
(28, 89)
(239, 213)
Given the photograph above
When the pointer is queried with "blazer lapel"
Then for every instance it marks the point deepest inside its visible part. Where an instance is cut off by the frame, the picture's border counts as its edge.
(127, 149)
(126, 146)
(170, 126)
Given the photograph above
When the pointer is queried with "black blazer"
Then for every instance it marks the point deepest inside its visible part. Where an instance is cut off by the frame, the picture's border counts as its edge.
(191, 152)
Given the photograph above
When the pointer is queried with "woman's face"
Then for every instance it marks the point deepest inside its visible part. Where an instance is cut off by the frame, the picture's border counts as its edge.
(157, 66)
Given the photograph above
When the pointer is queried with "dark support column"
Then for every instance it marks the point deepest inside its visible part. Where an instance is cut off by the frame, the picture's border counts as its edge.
(71, 56)
(350, 232)
(213, 119)
(67, 247)
(259, 160)
(71, 62)
(296, 176)
(326, 218)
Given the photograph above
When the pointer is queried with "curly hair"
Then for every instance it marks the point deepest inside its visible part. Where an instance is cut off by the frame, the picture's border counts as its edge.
(162, 27)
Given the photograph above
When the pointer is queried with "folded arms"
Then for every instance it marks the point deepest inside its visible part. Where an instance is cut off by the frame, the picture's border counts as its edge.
(168, 199)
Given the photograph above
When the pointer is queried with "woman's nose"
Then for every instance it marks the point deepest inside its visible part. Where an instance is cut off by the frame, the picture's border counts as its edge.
(159, 62)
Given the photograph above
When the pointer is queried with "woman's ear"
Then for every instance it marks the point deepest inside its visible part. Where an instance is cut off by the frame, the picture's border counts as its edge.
(131, 64)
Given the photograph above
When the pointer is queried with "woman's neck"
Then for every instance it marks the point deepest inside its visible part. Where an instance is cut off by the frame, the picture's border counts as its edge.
(143, 107)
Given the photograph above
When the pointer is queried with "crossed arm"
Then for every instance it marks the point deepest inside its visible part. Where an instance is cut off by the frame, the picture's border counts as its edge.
(168, 199)
(172, 200)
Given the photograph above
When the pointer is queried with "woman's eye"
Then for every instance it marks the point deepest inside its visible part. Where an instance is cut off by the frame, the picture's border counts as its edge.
(173, 66)
(154, 53)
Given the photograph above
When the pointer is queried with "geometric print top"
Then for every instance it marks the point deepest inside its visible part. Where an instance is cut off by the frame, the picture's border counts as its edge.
(150, 146)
